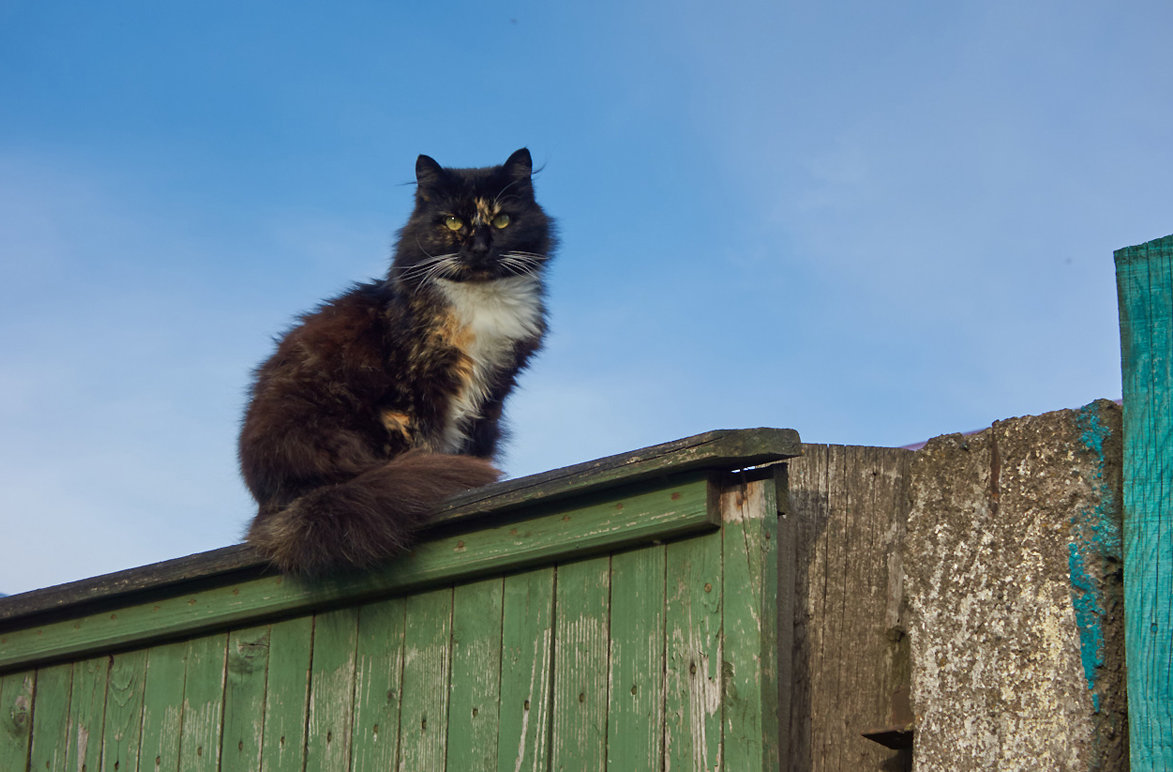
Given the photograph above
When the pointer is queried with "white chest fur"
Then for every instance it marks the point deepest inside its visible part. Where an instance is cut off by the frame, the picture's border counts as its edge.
(494, 316)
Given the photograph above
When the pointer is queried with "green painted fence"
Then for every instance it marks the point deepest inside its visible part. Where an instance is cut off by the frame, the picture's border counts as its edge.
(619, 615)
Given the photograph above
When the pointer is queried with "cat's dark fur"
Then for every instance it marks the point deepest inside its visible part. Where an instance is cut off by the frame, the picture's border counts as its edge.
(387, 400)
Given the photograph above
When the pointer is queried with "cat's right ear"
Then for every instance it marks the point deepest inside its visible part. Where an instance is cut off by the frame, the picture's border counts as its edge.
(427, 171)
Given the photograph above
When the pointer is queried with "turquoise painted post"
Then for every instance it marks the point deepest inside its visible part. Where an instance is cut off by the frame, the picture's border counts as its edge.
(1144, 282)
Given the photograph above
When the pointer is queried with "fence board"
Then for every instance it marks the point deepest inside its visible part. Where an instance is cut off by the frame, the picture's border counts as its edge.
(474, 708)
(328, 733)
(287, 695)
(750, 625)
(579, 739)
(163, 706)
(692, 701)
(16, 705)
(527, 629)
(51, 727)
(203, 702)
(848, 509)
(635, 716)
(122, 734)
(83, 741)
(426, 667)
(1144, 276)
(244, 698)
(378, 680)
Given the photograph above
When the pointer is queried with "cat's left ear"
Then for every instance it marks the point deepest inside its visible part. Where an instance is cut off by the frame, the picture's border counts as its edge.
(520, 166)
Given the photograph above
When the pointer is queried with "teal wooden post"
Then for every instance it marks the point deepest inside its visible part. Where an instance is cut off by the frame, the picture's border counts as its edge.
(1144, 281)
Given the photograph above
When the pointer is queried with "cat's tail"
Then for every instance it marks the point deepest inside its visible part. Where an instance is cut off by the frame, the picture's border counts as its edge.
(371, 517)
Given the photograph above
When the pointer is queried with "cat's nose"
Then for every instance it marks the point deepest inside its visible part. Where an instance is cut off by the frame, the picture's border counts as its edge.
(479, 247)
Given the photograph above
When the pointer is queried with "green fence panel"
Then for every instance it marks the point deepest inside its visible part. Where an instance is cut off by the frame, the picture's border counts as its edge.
(615, 615)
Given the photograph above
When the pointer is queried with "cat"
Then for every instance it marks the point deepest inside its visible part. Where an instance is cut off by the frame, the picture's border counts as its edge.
(387, 400)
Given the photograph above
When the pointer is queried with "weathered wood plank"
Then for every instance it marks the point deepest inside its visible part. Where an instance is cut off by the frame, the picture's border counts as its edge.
(122, 735)
(848, 509)
(244, 698)
(378, 680)
(526, 662)
(581, 655)
(87, 709)
(692, 701)
(423, 725)
(473, 709)
(715, 450)
(721, 450)
(610, 520)
(287, 695)
(787, 553)
(16, 719)
(163, 706)
(1144, 277)
(51, 722)
(749, 625)
(330, 726)
(203, 701)
(635, 716)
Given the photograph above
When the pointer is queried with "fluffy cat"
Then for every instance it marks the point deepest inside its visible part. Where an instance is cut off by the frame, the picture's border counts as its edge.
(387, 400)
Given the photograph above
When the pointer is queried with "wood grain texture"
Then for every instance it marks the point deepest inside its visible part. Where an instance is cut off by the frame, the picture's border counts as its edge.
(635, 718)
(16, 719)
(473, 710)
(1144, 279)
(122, 733)
(581, 651)
(526, 671)
(749, 511)
(609, 520)
(83, 737)
(244, 698)
(848, 506)
(203, 703)
(163, 706)
(378, 683)
(331, 710)
(287, 694)
(51, 727)
(693, 654)
(427, 658)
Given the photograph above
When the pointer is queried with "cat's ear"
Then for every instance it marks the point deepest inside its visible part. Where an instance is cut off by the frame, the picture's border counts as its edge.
(520, 166)
(427, 171)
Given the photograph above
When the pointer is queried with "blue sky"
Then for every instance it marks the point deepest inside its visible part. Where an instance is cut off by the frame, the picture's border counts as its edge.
(871, 223)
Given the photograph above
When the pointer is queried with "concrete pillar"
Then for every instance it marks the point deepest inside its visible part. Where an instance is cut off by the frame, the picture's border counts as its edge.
(1013, 580)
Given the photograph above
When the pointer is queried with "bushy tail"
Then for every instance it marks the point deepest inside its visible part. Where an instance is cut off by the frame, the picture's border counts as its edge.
(367, 519)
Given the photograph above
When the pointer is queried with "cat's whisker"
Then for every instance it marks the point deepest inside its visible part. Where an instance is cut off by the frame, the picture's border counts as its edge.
(441, 269)
(518, 263)
(426, 267)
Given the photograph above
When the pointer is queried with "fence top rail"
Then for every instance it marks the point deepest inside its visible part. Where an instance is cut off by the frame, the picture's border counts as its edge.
(720, 450)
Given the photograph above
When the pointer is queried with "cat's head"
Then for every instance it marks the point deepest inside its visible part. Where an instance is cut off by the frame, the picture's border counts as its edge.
(473, 224)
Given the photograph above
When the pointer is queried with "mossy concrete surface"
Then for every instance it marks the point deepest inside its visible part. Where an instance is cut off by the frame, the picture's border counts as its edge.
(1013, 579)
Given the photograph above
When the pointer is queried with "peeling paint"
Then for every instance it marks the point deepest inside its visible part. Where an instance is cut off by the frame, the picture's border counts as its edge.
(1095, 537)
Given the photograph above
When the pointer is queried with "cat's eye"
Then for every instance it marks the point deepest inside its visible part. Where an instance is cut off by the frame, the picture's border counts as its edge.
(453, 223)
(500, 221)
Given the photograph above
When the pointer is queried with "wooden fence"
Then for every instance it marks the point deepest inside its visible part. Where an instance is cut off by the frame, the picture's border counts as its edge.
(620, 614)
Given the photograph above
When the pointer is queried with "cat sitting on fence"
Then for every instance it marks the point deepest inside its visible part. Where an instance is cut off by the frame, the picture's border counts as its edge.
(386, 400)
